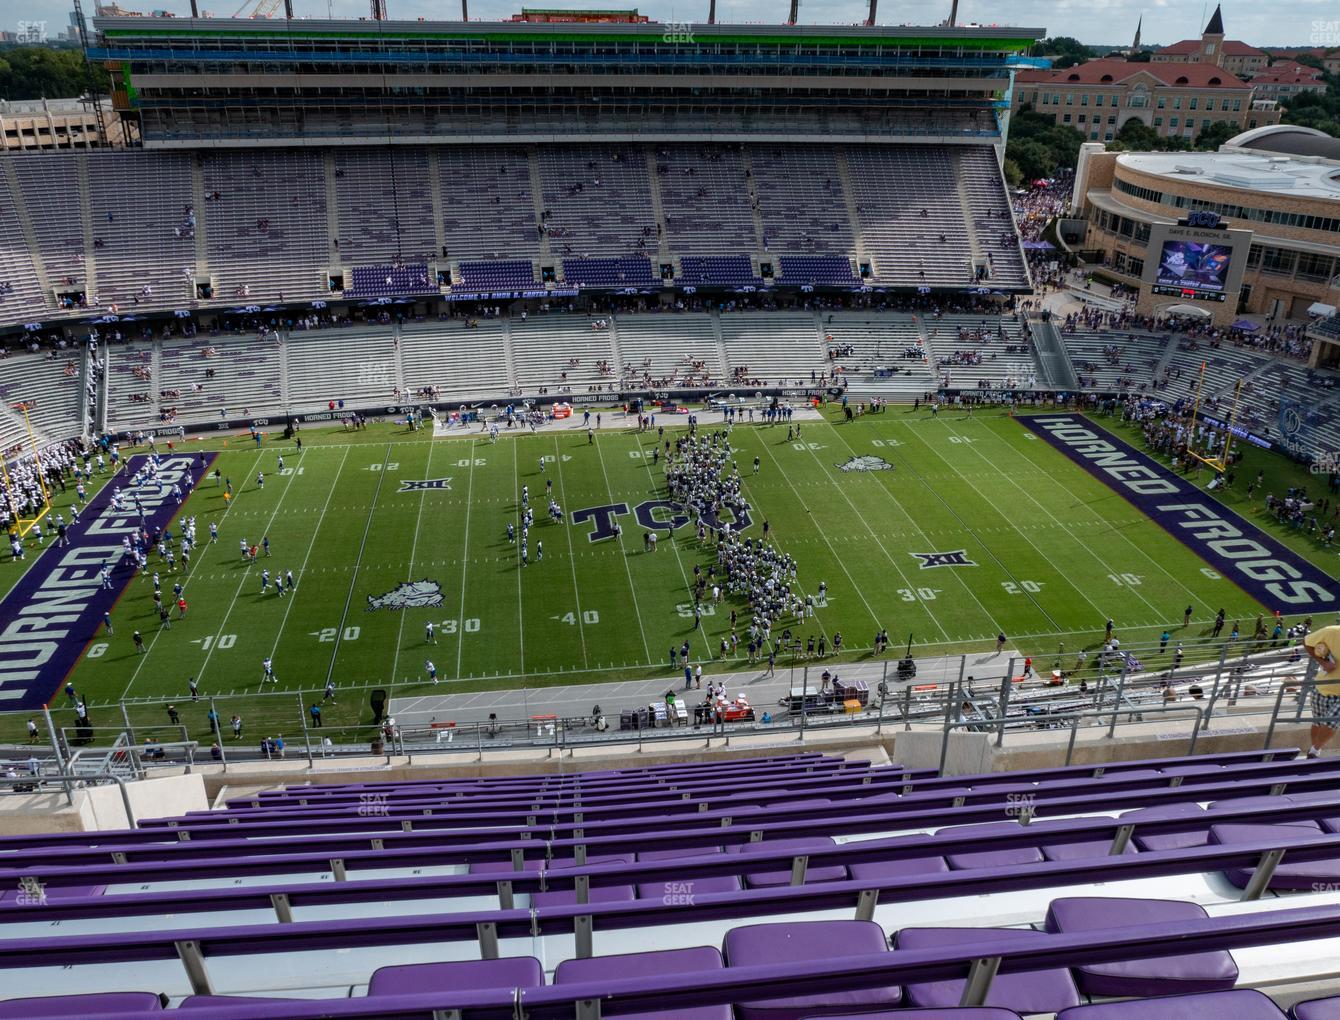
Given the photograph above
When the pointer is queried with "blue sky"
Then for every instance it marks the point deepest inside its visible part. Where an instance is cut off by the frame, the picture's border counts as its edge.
(1279, 23)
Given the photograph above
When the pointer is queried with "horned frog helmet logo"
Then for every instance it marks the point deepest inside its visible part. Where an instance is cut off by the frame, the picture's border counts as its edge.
(867, 463)
(408, 595)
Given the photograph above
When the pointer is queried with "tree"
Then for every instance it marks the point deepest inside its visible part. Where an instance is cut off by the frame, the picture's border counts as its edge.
(43, 72)
(1217, 134)
(1013, 175)
(1065, 51)
(1038, 145)
(1142, 57)
(1033, 159)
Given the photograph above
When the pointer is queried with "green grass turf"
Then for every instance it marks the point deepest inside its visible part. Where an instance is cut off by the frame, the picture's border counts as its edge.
(1056, 553)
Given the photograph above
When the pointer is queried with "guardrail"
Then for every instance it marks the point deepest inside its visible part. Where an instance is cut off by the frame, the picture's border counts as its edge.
(1255, 684)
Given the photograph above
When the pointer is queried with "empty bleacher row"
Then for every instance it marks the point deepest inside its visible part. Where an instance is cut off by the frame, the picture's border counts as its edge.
(150, 229)
(782, 888)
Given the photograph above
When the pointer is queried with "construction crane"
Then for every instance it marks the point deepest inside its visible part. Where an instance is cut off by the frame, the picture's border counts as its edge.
(258, 8)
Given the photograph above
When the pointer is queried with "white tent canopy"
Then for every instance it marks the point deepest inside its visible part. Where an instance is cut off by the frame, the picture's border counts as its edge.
(1321, 310)
(1197, 311)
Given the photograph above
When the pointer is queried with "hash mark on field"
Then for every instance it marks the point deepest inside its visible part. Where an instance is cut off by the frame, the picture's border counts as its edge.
(460, 627)
(153, 643)
(302, 569)
(572, 561)
(632, 588)
(372, 508)
(413, 551)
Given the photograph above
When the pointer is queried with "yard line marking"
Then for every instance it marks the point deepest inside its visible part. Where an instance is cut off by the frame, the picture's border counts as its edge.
(413, 551)
(302, 570)
(1020, 531)
(348, 600)
(646, 462)
(185, 584)
(520, 605)
(632, 587)
(1124, 537)
(840, 561)
(921, 532)
(465, 561)
(572, 555)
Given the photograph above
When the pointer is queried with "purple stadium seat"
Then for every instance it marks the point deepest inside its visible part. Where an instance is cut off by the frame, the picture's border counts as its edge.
(990, 858)
(458, 976)
(1183, 840)
(1317, 1009)
(950, 1013)
(198, 1001)
(682, 890)
(634, 965)
(1166, 975)
(568, 897)
(57, 892)
(1238, 1004)
(568, 863)
(498, 867)
(1043, 991)
(758, 944)
(1287, 876)
(879, 870)
(87, 1005)
(800, 845)
(1081, 850)
(647, 856)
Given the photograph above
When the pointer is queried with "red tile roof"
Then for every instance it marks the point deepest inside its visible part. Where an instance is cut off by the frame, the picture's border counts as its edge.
(1231, 47)
(1117, 72)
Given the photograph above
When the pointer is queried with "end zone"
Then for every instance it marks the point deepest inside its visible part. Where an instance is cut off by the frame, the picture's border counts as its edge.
(59, 602)
(1268, 571)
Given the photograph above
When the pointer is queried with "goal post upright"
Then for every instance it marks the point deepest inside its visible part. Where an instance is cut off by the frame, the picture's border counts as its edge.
(22, 524)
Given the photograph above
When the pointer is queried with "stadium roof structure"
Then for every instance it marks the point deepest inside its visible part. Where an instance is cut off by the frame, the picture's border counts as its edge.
(878, 35)
(1274, 174)
(1112, 71)
(1288, 139)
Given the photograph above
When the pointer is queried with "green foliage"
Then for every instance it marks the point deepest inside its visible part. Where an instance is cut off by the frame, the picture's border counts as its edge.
(1037, 145)
(1320, 110)
(1013, 175)
(44, 72)
(1216, 135)
(1066, 50)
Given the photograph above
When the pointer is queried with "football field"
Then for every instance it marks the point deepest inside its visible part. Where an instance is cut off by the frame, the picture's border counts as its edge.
(950, 529)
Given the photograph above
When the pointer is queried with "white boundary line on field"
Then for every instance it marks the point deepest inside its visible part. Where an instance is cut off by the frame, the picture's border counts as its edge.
(465, 560)
(246, 573)
(978, 534)
(302, 570)
(623, 553)
(841, 562)
(1124, 537)
(358, 564)
(837, 484)
(186, 584)
(520, 601)
(572, 555)
(655, 492)
(413, 551)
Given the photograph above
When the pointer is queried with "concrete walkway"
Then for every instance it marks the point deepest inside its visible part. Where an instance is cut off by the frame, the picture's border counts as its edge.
(763, 691)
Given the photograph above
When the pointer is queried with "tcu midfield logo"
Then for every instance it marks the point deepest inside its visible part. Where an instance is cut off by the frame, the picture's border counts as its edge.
(654, 515)
(408, 595)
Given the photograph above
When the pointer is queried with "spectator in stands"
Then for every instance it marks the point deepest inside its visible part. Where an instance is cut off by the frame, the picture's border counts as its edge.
(1323, 646)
